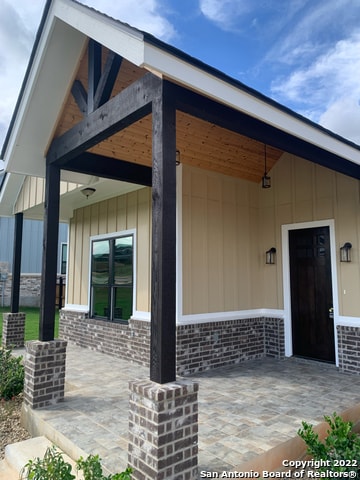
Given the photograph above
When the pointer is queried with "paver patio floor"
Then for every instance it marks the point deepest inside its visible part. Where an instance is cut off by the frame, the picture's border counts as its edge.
(244, 410)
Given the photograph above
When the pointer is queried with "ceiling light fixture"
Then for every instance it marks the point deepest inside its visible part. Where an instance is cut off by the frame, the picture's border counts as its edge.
(266, 180)
(88, 191)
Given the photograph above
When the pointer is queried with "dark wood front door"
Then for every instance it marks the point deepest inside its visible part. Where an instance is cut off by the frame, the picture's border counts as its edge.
(311, 293)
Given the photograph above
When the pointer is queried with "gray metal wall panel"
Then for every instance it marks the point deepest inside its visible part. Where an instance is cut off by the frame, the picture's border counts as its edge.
(6, 239)
(31, 259)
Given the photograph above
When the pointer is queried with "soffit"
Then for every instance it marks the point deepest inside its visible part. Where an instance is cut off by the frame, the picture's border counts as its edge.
(201, 144)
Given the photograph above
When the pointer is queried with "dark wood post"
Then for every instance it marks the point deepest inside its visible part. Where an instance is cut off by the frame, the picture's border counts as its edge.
(163, 276)
(50, 247)
(16, 268)
(60, 291)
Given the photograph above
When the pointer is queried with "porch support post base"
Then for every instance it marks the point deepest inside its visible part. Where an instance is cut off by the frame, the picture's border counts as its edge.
(44, 373)
(13, 332)
(163, 430)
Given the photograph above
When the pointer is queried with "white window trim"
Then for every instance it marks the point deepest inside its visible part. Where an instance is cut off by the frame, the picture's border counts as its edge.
(107, 236)
(60, 257)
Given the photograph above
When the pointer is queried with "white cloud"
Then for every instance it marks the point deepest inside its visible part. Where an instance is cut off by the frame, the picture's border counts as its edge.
(146, 15)
(328, 90)
(343, 117)
(20, 20)
(224, 13)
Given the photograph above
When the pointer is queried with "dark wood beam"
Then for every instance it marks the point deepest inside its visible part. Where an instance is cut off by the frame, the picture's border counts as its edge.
(231, 119)
(80, 96)
(50, 246)
(101, 166)
(130, 105)
(107, 79)
(94, 72)
(16, 269)
(163, 271)
(101, 83)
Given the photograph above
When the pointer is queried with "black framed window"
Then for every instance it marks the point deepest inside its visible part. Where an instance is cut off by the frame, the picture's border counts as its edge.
(112, 278)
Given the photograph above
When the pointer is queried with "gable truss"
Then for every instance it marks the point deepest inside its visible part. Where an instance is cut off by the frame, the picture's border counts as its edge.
(100, 83)
(131, 104)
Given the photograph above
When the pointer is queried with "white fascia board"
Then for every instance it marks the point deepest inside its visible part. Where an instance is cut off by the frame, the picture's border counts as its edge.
(47, 85)
(63, 38)
(9, 193)
(118, 37)
(202, 81)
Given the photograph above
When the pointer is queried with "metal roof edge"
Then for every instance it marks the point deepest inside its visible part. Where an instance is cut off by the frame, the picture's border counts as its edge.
(177, 53)
(174, 51)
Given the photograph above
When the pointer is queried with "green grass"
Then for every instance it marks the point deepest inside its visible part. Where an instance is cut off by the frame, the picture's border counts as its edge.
(31, 321)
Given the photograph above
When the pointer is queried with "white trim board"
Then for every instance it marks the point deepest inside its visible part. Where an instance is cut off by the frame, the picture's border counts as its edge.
(226, 316)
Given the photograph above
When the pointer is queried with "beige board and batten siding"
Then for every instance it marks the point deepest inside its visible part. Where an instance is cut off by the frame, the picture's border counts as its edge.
(118, 214)
(220, 235)
(228, 224)
(306, 192)
(32, 193)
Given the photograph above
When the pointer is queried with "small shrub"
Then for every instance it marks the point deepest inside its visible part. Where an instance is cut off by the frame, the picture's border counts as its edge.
(51, 467)
(54, 467)
(11, 374)
(92, 470)
(341, 447)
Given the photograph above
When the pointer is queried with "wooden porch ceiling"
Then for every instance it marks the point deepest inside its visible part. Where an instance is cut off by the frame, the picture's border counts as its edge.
(201, 144)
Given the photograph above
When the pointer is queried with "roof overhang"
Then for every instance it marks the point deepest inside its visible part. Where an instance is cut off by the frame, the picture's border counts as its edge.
(8, 193)
(218, 86)
(60, 44)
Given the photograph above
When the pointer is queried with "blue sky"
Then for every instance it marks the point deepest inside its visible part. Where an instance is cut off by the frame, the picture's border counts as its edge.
(304, 54)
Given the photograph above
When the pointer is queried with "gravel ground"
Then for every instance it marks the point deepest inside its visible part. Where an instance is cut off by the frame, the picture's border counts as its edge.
(11, 430)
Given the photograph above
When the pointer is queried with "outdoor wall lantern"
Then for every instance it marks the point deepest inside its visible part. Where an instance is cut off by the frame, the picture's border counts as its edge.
(345, 252)
(266, 180)
(270, 256)
(88, 191)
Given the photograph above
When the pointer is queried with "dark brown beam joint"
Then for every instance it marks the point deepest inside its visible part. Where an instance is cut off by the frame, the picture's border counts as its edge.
(94, 72)
(107, 79)
(80, 96)
(100, 166)
(243, 124)
(130, 105)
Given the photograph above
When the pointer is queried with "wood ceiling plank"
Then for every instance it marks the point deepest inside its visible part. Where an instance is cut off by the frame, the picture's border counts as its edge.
(201, 143)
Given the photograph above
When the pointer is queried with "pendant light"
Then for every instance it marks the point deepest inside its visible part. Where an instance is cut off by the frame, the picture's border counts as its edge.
(266, 180)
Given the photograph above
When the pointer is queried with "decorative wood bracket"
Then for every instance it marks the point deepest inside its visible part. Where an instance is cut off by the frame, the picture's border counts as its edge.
(100, 83)
(128, 106)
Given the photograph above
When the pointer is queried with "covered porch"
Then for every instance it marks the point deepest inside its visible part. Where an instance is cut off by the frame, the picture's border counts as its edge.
(177, 154)
(249, 413)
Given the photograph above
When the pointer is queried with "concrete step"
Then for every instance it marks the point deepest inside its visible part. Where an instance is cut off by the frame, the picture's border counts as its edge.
(6, 472)
(18, 454)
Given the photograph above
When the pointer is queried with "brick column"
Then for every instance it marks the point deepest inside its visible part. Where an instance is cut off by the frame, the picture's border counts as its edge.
(348, 341)
(13, 334)
(44, 372)
(163, 426)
